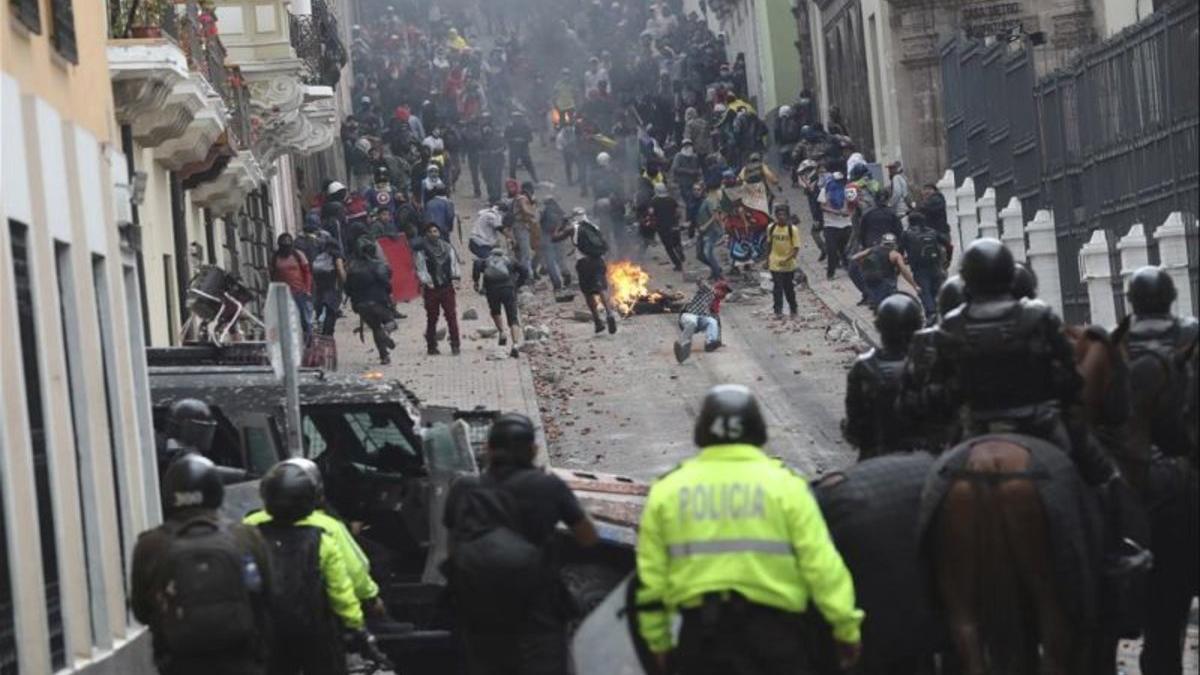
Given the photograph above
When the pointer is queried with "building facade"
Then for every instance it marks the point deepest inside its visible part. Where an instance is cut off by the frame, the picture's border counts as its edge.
(77, 479)
(879, 61)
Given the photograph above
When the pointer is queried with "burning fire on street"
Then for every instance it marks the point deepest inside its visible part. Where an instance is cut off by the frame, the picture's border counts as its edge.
(631, 293)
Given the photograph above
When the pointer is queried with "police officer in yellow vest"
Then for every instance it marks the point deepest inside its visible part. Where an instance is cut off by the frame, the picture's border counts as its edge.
(734, 541)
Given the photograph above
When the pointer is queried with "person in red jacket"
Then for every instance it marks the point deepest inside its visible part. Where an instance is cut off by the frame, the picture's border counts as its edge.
(289, 266)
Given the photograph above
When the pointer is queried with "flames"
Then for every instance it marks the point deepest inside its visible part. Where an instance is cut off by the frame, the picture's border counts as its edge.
(629, 283)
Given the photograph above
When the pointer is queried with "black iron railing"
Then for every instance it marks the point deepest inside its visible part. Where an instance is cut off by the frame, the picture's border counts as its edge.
(318, 44)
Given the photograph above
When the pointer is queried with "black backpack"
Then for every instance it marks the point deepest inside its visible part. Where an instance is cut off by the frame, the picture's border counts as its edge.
(299, 603)
(875, 265)
(204, 605)
(589, 241)
(928, 253)
(493, 569)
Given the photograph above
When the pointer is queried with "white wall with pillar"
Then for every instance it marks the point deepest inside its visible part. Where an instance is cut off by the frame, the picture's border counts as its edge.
(1173, 256)
(1012, 220)
(1043, 258)
(1095, 271)
(989, 224)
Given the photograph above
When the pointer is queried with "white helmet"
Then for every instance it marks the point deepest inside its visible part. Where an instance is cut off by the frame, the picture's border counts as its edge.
(785, 110)
(433, 169)
(603, 159)
(578, 212)
(334, 188)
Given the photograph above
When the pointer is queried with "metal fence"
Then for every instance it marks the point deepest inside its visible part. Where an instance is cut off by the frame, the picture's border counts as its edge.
(1107, 142)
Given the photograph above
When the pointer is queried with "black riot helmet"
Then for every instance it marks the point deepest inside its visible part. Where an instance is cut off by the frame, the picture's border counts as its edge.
(192, 424)
(730, 414)
(952, 294)
(511, 439)
(191, 482)
(898, 317)
(291, 490)
(1025, 282)
(988, 268)
(1151, 291)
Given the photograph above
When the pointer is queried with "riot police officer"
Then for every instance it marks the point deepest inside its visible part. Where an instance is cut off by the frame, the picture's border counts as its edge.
(200, 582)
(190, 429)
(937, 427)
(734, 541)
(1007, 363)
(873, 422)
(1152, 332)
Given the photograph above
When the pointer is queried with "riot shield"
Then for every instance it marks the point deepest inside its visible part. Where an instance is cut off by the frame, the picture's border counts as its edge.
(607, 643)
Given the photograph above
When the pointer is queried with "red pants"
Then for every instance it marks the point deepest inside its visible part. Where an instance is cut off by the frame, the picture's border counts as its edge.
(440, 299)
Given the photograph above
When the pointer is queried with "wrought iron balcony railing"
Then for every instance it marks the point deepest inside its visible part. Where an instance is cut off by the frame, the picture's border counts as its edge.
(318, 44)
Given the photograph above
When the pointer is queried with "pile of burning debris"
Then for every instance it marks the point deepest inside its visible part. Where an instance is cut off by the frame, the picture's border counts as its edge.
(631, 293)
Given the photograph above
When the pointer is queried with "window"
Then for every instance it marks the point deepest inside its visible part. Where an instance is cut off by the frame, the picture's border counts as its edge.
(374, 434)
(8, 627)
(104, 318)
(72, 346)
(19, 238)
(260, 450)
(28, 13)
(62, 24)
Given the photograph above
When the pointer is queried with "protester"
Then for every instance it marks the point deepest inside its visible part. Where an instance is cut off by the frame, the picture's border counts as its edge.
(501, 277)
(809, 177)
(701, 313)
(519, 135)
(664, 213)
(590, 269)
(525, 228)
(880, 265)
(289, 266)
(439, 210)
(329, 275)
(512, 609)
(369, 286)
(837, 224)
(928, 254)
(898, 197)
(783, 261)
(201, 582)
(437, 268)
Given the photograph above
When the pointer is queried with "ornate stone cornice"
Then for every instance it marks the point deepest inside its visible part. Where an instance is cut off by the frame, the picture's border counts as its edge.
(201, 131)
(227, 192)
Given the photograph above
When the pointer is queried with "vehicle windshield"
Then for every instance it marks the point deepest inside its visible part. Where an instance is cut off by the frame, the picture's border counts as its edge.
(379, 436)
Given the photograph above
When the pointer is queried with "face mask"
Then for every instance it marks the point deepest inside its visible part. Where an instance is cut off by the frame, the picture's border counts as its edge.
(688, 152)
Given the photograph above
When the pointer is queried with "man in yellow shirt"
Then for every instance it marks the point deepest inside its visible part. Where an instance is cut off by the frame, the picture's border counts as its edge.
(734, 541)
(782, 260)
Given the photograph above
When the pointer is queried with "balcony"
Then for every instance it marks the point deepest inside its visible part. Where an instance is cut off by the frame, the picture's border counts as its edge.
(318, 43)
(169, 81)
(287, 111)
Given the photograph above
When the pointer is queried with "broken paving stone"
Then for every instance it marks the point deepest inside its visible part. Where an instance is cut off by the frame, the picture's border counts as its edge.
(486, 332)
(537, 333)
(470, 314)
(440, 334)
(582, 316)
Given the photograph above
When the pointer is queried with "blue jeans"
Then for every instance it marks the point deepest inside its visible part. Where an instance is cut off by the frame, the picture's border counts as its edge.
(304, 306)
(930, 280)
(690, 323)
(706, 251)
(548, 256)
(524, 250)
(878, 291)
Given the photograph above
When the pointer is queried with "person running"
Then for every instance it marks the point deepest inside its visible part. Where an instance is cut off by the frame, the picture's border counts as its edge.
(664, 210)
(783, 260)
(438, 269)
(501, 277)
(329, 275)
(701, 313)
(591, 268)
(369, 285)
(928, 253)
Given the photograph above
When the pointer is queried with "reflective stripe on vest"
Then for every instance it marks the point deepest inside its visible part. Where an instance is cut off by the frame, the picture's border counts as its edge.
(730, 546)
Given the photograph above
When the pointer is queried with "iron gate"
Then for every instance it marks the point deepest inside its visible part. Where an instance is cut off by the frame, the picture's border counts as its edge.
(1107, 142)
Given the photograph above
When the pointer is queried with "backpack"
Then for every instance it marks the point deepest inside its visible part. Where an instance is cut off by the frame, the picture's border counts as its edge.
(202, 593)
(928, 254)
(324, 264)
(496, 271)
(835, 193)
(299, 603)
(589, 241)
(493, 569)
(875, 265)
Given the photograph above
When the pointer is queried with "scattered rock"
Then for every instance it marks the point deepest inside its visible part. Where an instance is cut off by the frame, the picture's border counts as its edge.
(486, 332)
(692, 276)
(536, 333)
(549, 376)
(526, 346)
(440, 334)
(582, 316)
(470, 315)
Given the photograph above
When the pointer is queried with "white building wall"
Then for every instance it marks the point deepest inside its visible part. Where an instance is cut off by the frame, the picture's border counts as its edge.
(57, 194)
(885, 117)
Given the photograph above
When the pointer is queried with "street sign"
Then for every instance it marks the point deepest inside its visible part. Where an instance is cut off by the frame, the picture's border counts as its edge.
(282, 321)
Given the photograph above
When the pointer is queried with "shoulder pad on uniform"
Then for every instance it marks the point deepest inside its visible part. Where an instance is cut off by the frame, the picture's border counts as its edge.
(866, 356)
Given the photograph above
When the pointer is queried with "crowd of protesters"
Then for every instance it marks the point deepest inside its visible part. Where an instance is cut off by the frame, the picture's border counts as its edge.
(658, 134)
